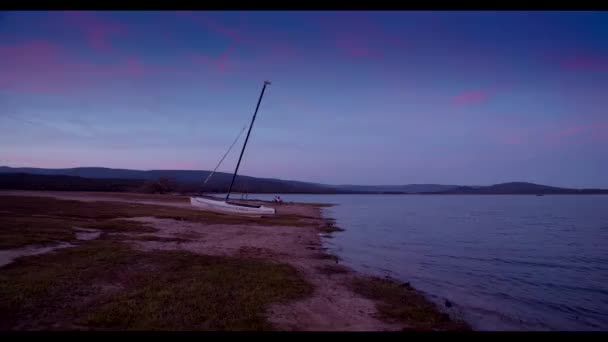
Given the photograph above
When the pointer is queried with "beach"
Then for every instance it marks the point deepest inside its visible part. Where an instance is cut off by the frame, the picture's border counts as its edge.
(88, 260)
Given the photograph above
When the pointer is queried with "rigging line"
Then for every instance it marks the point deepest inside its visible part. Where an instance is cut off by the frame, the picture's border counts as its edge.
(225, 154)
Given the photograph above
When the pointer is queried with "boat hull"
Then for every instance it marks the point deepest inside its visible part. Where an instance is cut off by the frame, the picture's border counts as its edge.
(230, 208)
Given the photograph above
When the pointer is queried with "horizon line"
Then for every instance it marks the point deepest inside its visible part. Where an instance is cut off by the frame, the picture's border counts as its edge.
(291, 180)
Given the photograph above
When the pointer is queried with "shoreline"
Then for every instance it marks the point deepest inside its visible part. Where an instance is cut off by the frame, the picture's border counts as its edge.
(339, 298)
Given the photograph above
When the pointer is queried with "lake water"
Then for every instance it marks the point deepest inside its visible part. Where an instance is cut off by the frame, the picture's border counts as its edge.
(505, 262)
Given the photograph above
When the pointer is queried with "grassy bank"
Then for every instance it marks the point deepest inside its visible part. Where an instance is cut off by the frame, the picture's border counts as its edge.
(401, 303)
(43, 220)
(107, 285)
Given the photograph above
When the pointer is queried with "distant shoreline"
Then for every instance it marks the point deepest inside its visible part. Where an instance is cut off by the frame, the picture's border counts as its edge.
(190, 182)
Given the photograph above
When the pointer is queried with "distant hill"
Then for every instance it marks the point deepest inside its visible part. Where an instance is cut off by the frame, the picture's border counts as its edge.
(191, 181)
(188, 181)
(409, 188)
(24, 181)
(519, 188)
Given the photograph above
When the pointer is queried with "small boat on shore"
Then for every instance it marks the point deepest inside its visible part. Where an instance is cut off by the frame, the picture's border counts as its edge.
(225, 206)
(218, 205)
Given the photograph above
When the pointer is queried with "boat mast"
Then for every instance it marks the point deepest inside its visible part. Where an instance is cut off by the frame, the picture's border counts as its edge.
(225, 154)
(246, 139)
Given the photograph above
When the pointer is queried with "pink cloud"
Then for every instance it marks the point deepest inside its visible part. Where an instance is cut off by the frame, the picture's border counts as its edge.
(42, 66)
(572, 132)
(360, 37)
(553, 135)
(275, 50)
(599, 132)
(471, 97)
(595, 131)
(219, 63)
(398, 42)
(37, 65)
(30, 52)
(97, 31)
(585, 62)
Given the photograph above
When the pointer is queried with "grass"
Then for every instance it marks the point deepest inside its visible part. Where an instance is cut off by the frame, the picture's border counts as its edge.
(168, 290)
(402, 303)
(22, 205)
(44, 220)
(19, 231)
(136, 196)
(38, 285)
(105, 284)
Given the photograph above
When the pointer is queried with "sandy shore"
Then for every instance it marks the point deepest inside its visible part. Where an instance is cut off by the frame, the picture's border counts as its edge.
(333, 304)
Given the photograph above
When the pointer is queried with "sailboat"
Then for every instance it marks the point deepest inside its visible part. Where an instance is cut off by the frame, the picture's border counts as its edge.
(225, 206)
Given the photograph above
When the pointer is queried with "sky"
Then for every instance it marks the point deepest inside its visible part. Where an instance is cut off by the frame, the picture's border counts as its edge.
(468, 98)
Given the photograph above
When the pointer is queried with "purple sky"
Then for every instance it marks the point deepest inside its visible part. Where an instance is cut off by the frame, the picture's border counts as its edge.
(357, 97)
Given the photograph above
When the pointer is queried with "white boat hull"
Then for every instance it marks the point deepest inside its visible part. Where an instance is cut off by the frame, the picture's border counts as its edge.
(230, 208)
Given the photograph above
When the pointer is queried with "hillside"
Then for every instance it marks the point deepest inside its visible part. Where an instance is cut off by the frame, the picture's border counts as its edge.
(186, 180)
(182, 181)
(191, 181)
(24, 181)
(409, 188)
(519, 188)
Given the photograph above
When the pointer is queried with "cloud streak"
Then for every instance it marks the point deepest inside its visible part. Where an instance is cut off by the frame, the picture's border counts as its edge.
(42, 66)
(471, 97)
(98, 32)
(585, 63)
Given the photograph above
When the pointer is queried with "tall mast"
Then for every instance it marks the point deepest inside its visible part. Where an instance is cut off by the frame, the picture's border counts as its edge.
(246, 139)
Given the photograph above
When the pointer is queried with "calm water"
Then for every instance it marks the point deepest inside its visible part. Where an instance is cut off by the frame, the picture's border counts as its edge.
(505, 262)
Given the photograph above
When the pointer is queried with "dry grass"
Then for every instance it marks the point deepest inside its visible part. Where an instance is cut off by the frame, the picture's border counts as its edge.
(107, 285)
(104, 210)
(41, 220)
(403, 304)
(20, 231)
(144, 197)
